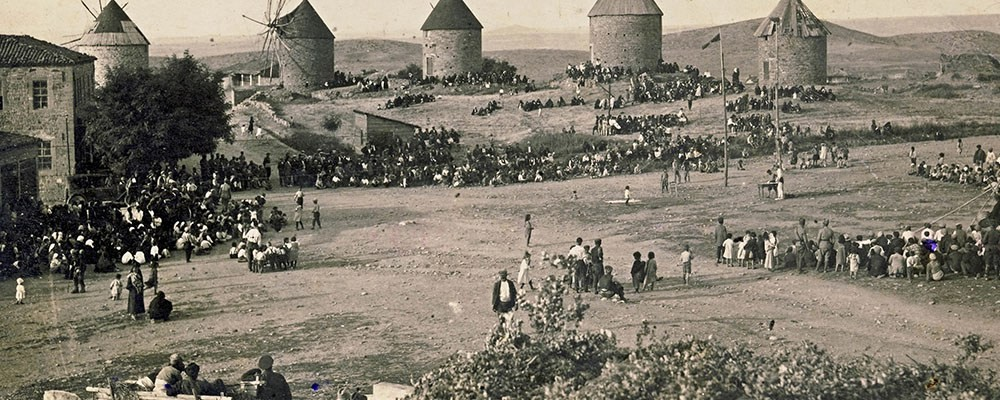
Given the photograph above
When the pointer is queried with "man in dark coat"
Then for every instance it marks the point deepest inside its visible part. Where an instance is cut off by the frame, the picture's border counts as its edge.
(504, 297)
(273, 385)
(160, 308)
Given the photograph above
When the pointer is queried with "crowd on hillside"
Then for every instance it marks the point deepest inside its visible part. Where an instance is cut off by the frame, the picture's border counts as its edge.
(588, 71)
(606, 125)
(406, 100)
(485, 79)
(806, 94)
(746, 103)
(368, 85)
(750, 122)
(984, 171)
(490, 107)
(534, 105)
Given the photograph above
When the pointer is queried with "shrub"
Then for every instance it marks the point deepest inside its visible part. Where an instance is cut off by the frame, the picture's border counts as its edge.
(988, 77)
(494, 66)
(332, 122)
(412, 71)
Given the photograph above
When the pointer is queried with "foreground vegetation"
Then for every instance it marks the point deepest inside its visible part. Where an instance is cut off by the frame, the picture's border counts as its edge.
(558, 361)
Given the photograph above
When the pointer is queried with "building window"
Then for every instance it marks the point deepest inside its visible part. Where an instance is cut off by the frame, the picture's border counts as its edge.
(45, 155)
(40, 94)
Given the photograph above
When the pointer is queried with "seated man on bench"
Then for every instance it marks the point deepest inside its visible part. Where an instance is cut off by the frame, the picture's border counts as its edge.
(193, 386)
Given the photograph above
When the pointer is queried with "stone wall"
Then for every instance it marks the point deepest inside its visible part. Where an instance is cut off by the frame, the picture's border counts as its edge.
(109, 57)
(307, 63)
(56, 124)
(802, 60)
(634, 41)
(452, 52)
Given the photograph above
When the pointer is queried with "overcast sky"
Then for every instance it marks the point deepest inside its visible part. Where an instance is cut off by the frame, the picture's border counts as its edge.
(59, 20)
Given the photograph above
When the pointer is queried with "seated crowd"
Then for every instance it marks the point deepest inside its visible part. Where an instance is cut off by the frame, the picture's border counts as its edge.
(492, 106)
(806, 94)
(407, 100)
(534, 105)
(628, 124)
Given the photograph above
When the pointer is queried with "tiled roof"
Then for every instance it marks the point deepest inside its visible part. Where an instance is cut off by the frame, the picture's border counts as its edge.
(624, 7)
(113, 28)
(303, 23)
(451, 15)
(12, 141)
(26, 51)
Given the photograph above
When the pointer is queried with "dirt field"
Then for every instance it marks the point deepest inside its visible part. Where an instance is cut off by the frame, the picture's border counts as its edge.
(380, 300)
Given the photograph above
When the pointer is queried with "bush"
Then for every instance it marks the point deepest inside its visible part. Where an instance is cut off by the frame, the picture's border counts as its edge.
(494, 66)
(558, 362)
(985, 78)
(332, 122)
(412, 71)
(942, 91)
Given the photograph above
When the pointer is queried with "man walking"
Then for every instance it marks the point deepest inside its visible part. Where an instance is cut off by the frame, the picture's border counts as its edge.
(504, 298)
(315, 212)
(825, 240)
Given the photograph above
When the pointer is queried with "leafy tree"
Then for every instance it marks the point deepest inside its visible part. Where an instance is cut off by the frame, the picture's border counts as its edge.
(142, 117)
(412, 71)
(494, 66)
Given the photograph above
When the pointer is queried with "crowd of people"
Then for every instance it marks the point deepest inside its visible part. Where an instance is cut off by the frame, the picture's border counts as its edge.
(622, 124)
(406, 100)
(534, 105)
(746, 103)
(807, 94)
(490, 107)
(984, 171)
(484, 79)
(368, 85)
(588, 71)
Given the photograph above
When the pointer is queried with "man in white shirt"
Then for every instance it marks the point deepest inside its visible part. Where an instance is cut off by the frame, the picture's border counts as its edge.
(504, 298)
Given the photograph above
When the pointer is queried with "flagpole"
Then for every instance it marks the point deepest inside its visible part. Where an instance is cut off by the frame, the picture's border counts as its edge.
(777, 110)
(725, 114)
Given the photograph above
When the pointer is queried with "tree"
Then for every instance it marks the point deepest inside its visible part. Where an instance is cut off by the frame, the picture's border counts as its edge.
(143, 117)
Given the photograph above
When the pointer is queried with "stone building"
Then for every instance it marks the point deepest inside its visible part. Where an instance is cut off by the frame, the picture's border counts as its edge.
(42, 90)
(115, 41)
(799, 39)
(304, 49)
(453, 40)
(626, 33)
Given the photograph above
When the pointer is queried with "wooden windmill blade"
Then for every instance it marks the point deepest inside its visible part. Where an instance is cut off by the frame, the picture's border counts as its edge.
(88, 9)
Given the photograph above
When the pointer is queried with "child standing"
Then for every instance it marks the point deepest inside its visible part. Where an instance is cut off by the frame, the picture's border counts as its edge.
(19, 292)
(527, 229)
(650, 272)
(116, 287)
(628, 195)
(522, 273)
(854, 262)
(686, 258)
(315, 212)
(298, 217)
(727, 249)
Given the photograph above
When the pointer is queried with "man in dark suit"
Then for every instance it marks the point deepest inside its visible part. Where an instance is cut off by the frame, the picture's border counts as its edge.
(504, 298)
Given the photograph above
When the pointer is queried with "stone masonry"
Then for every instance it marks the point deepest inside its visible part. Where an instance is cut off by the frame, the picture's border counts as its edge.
(109, 57)
(634, 41)
(307, 63)
(802, 60)
(452, 52)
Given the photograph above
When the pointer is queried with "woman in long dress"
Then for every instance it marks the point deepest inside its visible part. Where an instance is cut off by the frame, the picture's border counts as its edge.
(770, 248)
(135, 286)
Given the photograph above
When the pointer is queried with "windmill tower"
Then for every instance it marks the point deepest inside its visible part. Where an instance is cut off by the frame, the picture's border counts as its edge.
(453, 40)
(300, 43)
(115, 41)
(626, 33)
(791, 44)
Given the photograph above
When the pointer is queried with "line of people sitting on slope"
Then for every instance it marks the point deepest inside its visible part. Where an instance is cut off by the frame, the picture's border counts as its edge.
(406, 100)
(492, 106)
(533, 105)
(623, 124)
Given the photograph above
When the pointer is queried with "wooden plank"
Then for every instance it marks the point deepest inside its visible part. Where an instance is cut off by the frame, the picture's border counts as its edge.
(105, 393)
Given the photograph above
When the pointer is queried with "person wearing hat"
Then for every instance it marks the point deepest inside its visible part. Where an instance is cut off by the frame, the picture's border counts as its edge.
(273, 385)
(504, 297)
(169, 378)
(19, 292)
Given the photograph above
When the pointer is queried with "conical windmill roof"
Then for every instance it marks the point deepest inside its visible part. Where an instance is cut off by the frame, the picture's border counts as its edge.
(451, 15)
(113, 28)
(303, 23)
(625, 7)
(792, 17)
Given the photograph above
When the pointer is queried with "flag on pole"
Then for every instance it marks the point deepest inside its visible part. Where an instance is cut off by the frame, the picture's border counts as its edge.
(718, 37)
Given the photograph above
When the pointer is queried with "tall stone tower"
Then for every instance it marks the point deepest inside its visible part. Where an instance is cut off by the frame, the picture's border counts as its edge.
(626, 33)
(453, 40)
(791, 46)
(115, 41)
(305, 49)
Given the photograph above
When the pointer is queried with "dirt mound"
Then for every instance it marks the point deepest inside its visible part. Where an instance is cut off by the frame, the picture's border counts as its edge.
(970, 66)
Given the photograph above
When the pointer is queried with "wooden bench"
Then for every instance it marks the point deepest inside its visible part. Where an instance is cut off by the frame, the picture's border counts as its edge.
(769, 186)
(105, 394)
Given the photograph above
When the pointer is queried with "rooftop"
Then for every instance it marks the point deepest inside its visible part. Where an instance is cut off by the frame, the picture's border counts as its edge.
(26, 51)
(113, 28)
(624, 7)
(303, 23)
(451, 15)
(792, 18)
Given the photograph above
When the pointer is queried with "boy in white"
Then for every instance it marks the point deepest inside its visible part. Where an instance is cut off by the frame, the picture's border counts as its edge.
(686, 258)
(522, 273)
(19, 292)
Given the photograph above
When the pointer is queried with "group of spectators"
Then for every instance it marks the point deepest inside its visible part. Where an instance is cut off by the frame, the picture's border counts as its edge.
(368, 85)
(983, 172)
(745, 103)
(490, 107)
(806, 94)
(533, 105)
(407, 100)
(606, 125)
(484, 79)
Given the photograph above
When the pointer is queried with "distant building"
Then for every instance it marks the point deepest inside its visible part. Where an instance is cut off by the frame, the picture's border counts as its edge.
(304, 49)
(453, 40)
(18, 169)
(799, 38)
(626, 33)
(42, 90)
(116, 41)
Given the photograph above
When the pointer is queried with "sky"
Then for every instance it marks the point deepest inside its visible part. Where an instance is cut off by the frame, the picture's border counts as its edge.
(63, 20)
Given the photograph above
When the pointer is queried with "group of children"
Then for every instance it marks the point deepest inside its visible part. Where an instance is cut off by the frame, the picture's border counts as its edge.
(282, 256)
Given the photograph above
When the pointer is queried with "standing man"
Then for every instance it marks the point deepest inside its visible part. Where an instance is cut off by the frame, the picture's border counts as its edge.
(299, 197)
(597, 264)
(991, 250)
(825, 240)
(979, 157)
(779, 176)
(315, 212)
(267, 166)
(504, 298)
(720, 238)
